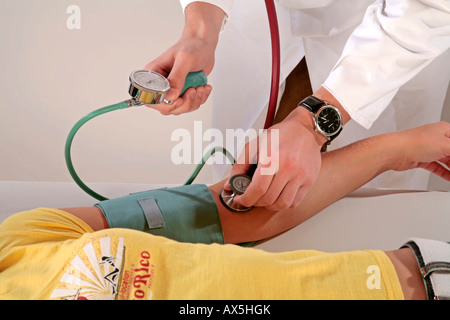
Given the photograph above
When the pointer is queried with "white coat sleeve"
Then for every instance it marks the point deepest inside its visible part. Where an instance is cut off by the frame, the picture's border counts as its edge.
(395, 41)
(225, 5)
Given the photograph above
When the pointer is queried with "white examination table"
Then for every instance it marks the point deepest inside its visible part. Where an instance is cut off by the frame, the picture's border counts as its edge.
(367, 219)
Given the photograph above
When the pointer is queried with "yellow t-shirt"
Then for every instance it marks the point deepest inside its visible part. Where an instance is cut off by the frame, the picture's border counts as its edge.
(50, 254)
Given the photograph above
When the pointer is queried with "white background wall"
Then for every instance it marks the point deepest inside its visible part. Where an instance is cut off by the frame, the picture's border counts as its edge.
(52, 76)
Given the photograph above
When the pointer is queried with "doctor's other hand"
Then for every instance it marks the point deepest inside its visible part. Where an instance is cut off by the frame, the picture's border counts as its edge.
(194, 51)
(288, 163)
(426, 147)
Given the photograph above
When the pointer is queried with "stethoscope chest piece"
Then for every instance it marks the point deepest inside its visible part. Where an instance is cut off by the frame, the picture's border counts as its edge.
(148, 87)
(238, 185)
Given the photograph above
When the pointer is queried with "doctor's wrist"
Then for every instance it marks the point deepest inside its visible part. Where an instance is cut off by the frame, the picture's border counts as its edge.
(203, 21)
(304, 117)
(325, 95)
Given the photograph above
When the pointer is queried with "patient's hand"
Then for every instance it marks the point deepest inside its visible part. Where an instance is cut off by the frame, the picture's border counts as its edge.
(422, 147)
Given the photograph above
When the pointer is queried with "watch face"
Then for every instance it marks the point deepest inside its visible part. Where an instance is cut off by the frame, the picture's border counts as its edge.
(329, 120)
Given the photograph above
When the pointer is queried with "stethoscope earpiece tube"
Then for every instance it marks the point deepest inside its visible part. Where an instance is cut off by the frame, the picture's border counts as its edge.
(276, 62)
(227, 196)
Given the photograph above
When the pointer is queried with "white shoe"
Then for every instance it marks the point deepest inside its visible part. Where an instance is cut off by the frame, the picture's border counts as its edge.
(433, 258)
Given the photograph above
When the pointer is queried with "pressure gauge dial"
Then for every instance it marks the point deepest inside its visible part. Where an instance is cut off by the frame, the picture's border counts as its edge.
(148, 87)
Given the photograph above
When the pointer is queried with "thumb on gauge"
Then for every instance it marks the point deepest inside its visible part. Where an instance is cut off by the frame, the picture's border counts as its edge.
(177, 78)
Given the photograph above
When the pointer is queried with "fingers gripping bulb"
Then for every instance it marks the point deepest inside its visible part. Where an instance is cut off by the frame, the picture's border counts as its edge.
(149, 87)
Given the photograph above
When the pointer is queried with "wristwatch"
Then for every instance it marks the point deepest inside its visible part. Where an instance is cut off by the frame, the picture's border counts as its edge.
(327, 118)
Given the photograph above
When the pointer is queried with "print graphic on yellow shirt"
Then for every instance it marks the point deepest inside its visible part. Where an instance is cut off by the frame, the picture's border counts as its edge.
(137, 282)
(94, 273)
(97, 273)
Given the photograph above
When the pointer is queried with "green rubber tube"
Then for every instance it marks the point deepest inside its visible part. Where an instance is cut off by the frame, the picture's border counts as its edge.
(205, 158)
(193, 80)
(78, 125)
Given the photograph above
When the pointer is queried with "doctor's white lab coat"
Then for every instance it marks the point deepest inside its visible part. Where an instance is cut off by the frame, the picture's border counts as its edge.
(387, 62)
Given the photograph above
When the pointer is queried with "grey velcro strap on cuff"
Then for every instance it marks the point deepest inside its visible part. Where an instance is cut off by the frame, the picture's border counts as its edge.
(152, 213)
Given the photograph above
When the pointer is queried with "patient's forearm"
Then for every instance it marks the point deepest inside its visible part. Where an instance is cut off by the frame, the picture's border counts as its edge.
(342, 172)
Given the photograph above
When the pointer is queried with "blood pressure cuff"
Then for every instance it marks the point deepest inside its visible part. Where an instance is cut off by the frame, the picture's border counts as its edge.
(187, 213)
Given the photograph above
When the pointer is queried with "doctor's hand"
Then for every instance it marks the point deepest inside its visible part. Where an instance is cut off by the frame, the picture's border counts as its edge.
(289, 160)
(194, 51)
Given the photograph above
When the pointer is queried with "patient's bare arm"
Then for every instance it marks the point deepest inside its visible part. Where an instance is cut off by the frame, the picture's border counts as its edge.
(342, 172)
